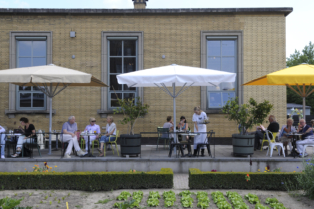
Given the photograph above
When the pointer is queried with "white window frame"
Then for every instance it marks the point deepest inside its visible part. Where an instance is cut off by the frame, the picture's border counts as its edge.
(12, 111)
(105, 109)
(239, 88)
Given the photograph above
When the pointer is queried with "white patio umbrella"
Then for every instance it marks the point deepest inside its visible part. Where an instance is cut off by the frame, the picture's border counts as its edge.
(48, 79)
(175, 75)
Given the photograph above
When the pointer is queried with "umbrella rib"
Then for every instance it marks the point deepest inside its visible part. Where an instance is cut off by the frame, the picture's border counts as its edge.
(55, 89)
(310, 93)
(180, 92)
(40, 88)
(132, 85)
(212, 84)
(64, 86)
(161, 88)
(299, 90)
(172, 95)
(308, 90)
(293, 89)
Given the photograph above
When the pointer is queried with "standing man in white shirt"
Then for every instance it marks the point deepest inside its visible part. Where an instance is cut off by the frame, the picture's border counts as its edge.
(2, 141)
(94, 128)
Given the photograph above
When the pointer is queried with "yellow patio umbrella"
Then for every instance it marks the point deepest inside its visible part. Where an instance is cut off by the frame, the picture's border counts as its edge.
(301, 76)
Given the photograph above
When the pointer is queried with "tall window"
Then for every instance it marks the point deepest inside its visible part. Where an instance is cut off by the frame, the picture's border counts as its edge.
(31, 51)
(122, 59)
(221, 55)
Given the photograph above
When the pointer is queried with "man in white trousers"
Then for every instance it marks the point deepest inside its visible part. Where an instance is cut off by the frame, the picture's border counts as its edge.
(307, 136)
(68, 134)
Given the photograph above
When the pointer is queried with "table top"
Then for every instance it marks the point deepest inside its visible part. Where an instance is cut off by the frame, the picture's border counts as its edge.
(295, 134)
(189, 134)
(88, 134)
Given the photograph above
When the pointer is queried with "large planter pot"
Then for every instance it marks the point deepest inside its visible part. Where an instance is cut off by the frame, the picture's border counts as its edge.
(243, 144)
(130, 144)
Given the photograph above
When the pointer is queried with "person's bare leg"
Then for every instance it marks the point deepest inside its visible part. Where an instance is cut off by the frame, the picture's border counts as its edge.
(101, 149)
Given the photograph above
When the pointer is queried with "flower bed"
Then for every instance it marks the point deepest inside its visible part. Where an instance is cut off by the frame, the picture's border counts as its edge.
(241, 180)
(88, 181)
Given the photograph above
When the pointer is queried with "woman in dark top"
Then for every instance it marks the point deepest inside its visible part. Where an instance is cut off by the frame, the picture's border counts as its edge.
(29, 135)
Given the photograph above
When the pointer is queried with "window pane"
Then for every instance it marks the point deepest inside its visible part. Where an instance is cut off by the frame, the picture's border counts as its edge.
(25, 48)
(114, 83)
(39, 61)
(25, 88)
(227, 48)
(128, 95)
(125, 87)
(227, 86)
(129, 48)
(227, 96)
(228, 64)
(25, 99)
(213, 48)
(114, 101)
(213, 63)
(115, 48)
(214, 99)
(115, 65)
(24, 62)
(38, 100)
(36, 89)
(129, 65)
(39, 48)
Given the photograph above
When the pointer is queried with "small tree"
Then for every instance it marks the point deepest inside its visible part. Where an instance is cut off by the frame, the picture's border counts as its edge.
(131, 111)
(247, 115)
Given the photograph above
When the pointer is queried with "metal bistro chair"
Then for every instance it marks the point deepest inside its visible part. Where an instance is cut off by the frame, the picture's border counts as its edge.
(113, 142)
(206, 144)
(33, 144)
(273, 144)
(161, 133)
(272, 140)
(93, 143)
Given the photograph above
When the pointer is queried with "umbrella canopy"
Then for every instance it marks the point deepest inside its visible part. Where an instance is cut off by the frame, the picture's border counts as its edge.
(301, 76)
(48, 74)
(45, 78)
(175, 75)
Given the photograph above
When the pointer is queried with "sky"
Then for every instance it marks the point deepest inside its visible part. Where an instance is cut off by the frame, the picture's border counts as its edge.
(299, 31)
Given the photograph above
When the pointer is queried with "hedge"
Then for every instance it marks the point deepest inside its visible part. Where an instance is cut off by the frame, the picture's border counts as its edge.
(87, 181)
(236, 180)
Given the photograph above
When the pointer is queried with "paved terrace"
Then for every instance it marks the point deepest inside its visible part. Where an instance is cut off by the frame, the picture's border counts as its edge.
(152, 160)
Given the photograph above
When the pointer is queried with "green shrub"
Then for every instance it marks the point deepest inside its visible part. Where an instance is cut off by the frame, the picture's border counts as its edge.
(87, 181)
(306, 180)
(236, 180)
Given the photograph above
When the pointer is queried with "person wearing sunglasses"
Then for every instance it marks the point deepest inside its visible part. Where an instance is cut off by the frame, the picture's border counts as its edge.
(91, 128)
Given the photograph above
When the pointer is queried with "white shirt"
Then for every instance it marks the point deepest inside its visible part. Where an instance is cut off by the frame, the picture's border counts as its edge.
(199, 118)
(110, 128)
(2, 130)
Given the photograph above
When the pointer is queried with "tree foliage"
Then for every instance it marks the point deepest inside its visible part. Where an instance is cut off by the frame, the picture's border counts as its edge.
(247, 115)
(306, 56)
(131, 111)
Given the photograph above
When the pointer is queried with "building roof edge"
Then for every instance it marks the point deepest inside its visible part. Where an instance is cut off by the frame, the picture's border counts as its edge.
(285, 10)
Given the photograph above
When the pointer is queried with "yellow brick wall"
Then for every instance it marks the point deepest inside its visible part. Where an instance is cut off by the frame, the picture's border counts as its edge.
(175, 36)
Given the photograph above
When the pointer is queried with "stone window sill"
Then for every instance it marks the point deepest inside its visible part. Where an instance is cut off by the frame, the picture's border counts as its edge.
(12, 113)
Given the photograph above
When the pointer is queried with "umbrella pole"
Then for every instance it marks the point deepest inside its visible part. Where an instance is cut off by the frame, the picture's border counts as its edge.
(50, 123)
(174, 112)
(304, 115)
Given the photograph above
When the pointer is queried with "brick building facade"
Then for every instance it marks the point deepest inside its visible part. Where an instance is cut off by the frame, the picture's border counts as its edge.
(250, 41)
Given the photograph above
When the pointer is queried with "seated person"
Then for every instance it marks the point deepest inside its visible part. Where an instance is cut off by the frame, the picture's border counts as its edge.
(283, 137)
(111, 131)
(95, 129)
(28, 136)
(68, 134)
(183, 125)
(273, 127)
(307, 136)
(169, 124)
(2, 141)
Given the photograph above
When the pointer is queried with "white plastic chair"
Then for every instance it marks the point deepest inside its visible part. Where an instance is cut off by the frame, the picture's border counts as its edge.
(307, 145)
(40, 139)
(273, 144)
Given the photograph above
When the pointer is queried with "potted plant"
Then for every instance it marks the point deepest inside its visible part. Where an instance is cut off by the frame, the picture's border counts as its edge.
(246, 116)
(132, 109)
